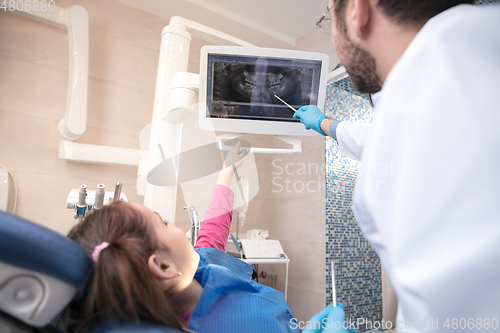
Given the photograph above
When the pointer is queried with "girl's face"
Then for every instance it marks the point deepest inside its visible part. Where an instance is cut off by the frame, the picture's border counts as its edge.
(175, 245)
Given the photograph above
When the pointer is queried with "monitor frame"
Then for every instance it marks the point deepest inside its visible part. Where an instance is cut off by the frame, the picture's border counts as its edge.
(248, 126)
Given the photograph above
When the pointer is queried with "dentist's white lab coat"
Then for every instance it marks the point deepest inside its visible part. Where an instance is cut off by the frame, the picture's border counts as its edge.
(428, 193)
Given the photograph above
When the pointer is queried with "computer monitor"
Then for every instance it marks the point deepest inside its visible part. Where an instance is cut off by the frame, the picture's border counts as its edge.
(238, 84)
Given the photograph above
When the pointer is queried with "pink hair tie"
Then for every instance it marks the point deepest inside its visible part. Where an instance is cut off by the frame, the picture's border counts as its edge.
(98, 249)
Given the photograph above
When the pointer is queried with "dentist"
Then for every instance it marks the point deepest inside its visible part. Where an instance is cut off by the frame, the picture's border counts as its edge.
(435, 222)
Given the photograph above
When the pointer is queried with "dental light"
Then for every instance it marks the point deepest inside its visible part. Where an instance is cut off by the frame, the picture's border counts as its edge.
(76, 21)
(175, 94)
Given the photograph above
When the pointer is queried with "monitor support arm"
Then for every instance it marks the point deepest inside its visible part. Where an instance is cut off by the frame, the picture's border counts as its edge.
(296, 144)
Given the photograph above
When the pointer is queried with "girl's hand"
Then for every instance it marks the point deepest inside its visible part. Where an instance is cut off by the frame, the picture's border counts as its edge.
(234, 157)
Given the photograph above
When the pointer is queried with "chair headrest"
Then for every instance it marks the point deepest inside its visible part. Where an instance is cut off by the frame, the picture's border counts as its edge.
(30, 246)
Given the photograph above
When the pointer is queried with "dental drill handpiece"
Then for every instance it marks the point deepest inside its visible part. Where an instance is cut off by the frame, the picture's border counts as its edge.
(99, 197)
(81, 205)
(118, 191)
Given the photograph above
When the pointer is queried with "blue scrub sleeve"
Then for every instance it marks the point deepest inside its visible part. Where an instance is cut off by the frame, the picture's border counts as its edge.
(333, 129)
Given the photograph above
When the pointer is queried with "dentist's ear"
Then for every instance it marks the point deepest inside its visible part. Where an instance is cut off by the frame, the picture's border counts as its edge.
(361, 16)
(162, 268)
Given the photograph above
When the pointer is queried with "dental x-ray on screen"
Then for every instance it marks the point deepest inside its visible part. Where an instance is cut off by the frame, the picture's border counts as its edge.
(238, 88)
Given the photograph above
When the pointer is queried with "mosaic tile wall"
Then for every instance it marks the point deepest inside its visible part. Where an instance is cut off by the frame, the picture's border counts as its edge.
(487, 2)
(357, 267)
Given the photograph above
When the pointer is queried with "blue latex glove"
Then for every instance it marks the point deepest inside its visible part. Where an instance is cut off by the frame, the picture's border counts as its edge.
(311, 116)
(331, 319)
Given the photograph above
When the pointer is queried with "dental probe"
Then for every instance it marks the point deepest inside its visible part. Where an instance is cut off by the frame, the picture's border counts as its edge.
(282, 101)
(334, 289)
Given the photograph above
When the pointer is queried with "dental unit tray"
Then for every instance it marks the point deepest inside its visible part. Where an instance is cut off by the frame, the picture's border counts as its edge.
(262, 249)
(257, 249)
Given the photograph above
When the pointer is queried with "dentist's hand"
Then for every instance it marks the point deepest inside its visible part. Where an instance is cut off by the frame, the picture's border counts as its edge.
(330, 320)
(311, 116)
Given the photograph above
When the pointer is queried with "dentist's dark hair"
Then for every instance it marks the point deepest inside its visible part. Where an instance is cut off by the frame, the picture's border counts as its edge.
(122, 285)
(406, 12)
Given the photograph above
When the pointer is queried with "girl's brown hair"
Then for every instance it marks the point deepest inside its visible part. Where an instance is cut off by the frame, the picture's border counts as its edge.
(122, 284)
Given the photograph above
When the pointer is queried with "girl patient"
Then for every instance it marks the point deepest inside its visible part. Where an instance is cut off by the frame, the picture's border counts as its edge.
(146, 270)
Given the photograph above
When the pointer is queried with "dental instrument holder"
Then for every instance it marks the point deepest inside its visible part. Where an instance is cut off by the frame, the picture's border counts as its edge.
(84, 201)
(296, 144)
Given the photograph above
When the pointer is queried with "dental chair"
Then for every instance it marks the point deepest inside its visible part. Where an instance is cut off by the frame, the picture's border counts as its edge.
(41, 272)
